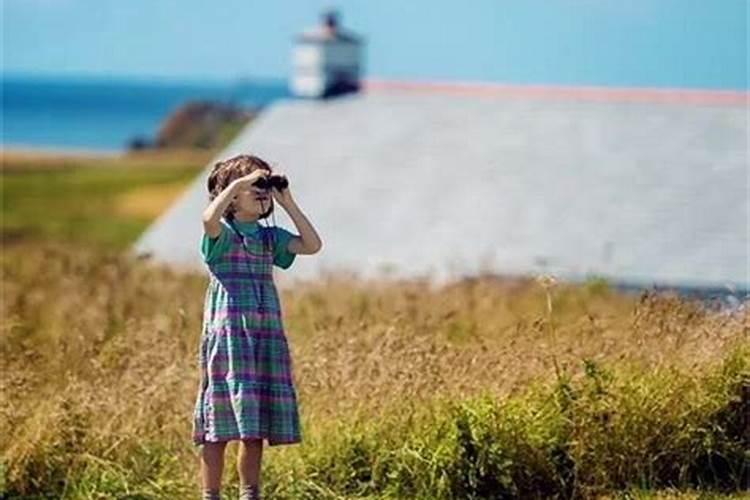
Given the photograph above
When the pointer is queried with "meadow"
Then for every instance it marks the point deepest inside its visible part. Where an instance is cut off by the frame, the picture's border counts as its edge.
(490, 387)
(104, 201)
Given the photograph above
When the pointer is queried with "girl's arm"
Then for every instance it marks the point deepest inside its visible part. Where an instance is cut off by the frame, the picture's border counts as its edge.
(213, 212)
(308, 241)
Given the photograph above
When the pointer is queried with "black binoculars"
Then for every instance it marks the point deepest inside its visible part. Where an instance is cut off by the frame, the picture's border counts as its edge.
(272, 181)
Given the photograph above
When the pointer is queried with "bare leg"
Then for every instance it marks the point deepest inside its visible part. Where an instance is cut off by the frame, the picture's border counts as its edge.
(248, 462)
(212, 465)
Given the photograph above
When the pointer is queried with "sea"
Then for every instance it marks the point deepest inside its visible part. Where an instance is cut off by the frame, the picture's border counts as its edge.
(104, 115)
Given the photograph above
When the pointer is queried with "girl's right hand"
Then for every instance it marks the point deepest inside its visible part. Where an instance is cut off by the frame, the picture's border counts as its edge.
(247, 181)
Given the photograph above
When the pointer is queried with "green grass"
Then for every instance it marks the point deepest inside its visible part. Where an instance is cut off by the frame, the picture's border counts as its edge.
(76, 203)
(664, 430)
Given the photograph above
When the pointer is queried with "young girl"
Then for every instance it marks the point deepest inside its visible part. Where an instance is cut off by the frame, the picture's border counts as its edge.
(247, 391)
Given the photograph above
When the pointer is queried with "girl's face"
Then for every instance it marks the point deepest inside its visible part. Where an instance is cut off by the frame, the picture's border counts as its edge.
(251, 202)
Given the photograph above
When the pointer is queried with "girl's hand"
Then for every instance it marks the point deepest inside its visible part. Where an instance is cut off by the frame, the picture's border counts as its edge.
(283, 197)
(247, 181)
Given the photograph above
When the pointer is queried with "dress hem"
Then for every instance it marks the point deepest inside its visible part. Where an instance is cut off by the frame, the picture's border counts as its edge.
(238, 437)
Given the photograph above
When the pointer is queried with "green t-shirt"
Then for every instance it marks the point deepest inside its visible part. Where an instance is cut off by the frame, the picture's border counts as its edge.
(213, 248)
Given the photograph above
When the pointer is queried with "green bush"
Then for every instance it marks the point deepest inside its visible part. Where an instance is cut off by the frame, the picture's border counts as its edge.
(613, 429)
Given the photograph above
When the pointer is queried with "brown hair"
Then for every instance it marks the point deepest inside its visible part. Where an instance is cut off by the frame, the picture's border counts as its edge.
(225, 171)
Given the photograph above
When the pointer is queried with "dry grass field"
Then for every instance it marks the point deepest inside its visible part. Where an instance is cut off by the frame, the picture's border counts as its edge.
(491, 387)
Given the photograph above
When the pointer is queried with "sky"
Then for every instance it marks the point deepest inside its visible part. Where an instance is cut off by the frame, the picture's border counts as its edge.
(644, 43)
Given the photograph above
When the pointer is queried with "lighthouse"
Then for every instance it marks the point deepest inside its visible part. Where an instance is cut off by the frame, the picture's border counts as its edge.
(326, 60)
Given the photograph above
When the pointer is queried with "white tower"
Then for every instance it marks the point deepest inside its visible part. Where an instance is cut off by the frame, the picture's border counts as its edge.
(326, 60)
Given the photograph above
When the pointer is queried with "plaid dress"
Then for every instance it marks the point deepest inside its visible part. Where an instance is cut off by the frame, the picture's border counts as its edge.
(246, 388)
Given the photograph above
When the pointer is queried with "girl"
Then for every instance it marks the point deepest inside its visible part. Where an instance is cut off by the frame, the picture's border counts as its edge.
(247, 391)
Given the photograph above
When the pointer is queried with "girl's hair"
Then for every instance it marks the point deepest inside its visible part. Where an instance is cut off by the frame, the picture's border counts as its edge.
(225, 171)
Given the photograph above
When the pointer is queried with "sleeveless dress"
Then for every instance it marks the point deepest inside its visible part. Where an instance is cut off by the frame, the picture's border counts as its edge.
(247, 388)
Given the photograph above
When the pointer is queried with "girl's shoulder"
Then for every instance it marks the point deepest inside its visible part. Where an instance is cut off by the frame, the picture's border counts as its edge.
(282, 257)
(212, 248)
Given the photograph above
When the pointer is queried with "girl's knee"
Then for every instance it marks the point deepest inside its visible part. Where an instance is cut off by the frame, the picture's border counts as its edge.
(252, 442)
(209, 446)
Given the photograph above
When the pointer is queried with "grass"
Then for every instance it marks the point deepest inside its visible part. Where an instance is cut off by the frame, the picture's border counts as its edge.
(104, 201)
(405, 391)
(489, 387)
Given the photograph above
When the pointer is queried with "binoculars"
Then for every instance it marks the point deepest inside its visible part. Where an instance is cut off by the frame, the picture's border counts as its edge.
(272, 181)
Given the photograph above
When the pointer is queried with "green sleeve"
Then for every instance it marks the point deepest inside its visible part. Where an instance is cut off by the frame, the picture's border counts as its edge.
(213, 248)
(282, 257)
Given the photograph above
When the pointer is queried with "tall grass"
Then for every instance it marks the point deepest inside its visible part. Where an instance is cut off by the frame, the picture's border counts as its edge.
(486, 388)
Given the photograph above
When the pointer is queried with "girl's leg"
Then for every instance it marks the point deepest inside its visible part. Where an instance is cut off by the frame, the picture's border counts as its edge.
(212, 465)
(248, 465)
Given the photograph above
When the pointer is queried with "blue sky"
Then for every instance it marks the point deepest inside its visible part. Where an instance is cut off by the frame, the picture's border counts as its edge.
(659, 43)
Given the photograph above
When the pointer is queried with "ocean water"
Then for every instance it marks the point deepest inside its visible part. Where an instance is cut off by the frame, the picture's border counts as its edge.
(98, 114)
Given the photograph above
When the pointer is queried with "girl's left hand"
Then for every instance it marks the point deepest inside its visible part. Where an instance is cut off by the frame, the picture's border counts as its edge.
(283, 197)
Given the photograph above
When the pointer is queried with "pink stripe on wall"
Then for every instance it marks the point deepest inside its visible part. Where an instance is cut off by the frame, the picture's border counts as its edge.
(628, 94)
